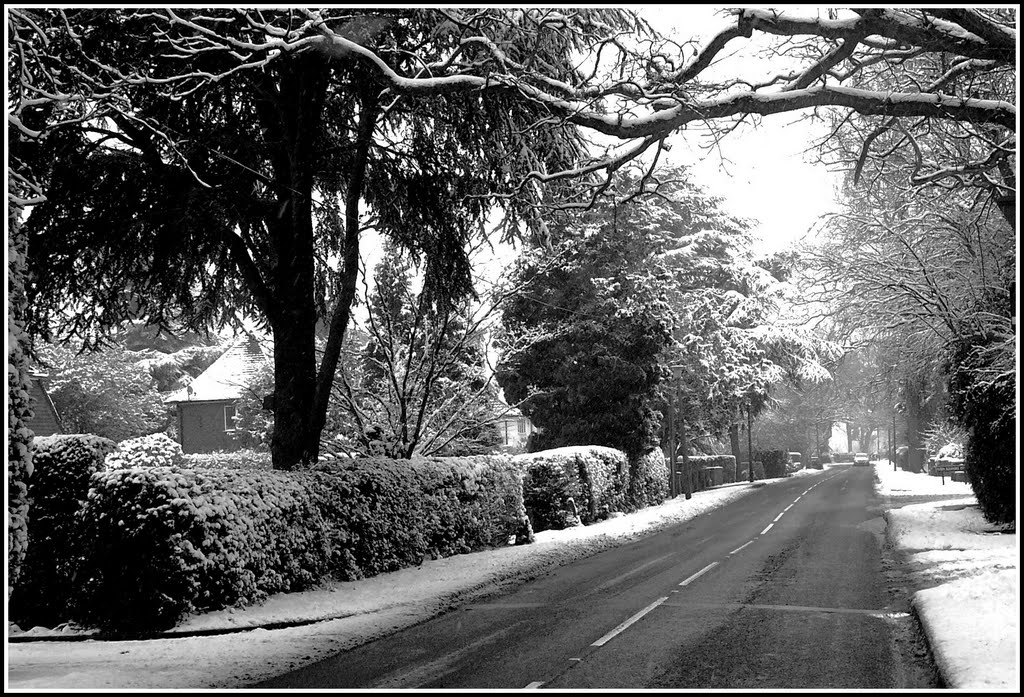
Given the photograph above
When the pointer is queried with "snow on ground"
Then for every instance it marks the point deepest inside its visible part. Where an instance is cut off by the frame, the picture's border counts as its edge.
(969, 602)
(973, 618)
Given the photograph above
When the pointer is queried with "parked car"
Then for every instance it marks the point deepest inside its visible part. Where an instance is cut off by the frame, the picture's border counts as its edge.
(861, 460)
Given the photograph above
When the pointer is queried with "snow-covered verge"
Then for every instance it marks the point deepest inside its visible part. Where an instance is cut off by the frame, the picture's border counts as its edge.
(966, 571)
(376, 606)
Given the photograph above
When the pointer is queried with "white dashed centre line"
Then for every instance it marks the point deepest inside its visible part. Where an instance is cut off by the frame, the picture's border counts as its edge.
(625, 625)
(740, 547)
(767, 528)
(533, 685)
(699, 574)
(779, 516)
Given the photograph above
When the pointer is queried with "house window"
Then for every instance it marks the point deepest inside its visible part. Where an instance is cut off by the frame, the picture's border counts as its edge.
(230, 415)
(521, 423)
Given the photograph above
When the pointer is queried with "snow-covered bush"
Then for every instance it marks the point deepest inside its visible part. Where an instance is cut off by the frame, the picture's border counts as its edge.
(395, 513)
(155, 450)
(951, 451)
(486, 496)
(63, 465)
(166, 541)
(648, 480)
(238, 459)
(595, 477)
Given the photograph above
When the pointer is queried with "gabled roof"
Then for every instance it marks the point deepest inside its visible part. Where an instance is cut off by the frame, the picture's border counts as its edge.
(228, 376)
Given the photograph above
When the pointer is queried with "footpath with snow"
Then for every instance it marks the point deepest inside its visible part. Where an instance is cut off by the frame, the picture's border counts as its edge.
(965, 572)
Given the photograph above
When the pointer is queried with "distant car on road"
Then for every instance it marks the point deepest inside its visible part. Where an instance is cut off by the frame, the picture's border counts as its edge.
(861, 460)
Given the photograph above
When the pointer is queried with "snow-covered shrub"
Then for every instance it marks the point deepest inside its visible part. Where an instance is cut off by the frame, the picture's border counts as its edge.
(247, 459)
(951, 451)
(648, 480)
(595, 478)
(547, 492)
(395, 513)
(166, 541)
(63, 465)
(155, 450)
(486, 495)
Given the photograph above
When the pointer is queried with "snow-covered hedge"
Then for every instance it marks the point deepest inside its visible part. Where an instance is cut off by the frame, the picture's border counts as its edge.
(726, 462)
(396, 513)
(155, 450)
(167, 541)
(596, 478)
(62, 467)
(648, 480)
(238, 459)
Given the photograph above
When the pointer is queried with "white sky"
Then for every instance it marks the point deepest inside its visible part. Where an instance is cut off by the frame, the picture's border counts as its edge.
(762, 173)
(970, 602)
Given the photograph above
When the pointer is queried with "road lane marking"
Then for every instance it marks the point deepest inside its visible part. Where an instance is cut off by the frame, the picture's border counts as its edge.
(740, 547)
(638, 569)
(426, 673)
(699, 574)
(767, 528)
(625, 625)
(533, 685)
(798, 498)
(788, 507)
(779, 516)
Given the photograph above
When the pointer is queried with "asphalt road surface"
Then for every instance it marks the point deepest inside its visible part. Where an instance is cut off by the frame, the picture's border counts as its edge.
(788, 587)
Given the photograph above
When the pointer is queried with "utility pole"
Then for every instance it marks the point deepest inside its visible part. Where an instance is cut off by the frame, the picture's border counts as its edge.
(687, 481)
(672, 488)
(750, 441)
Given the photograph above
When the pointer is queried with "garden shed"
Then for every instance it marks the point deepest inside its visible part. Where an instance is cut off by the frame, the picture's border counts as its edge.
(207, 408)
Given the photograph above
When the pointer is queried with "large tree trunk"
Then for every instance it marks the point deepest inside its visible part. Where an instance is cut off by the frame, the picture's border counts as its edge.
(349, 276)
(914, 410)
(300, 107)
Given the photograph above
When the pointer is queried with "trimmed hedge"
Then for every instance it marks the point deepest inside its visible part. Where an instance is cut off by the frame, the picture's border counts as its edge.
(698, 463)
(166, 541)
(238, 459)
(57, 489)
(162, 542)
(598, 480)
(648, 480)
(594, 477)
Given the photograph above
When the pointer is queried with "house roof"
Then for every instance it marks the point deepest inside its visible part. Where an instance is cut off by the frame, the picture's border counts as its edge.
(228, 376)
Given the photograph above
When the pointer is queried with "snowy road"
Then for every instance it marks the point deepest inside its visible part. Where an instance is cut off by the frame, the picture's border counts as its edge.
(782, 588)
